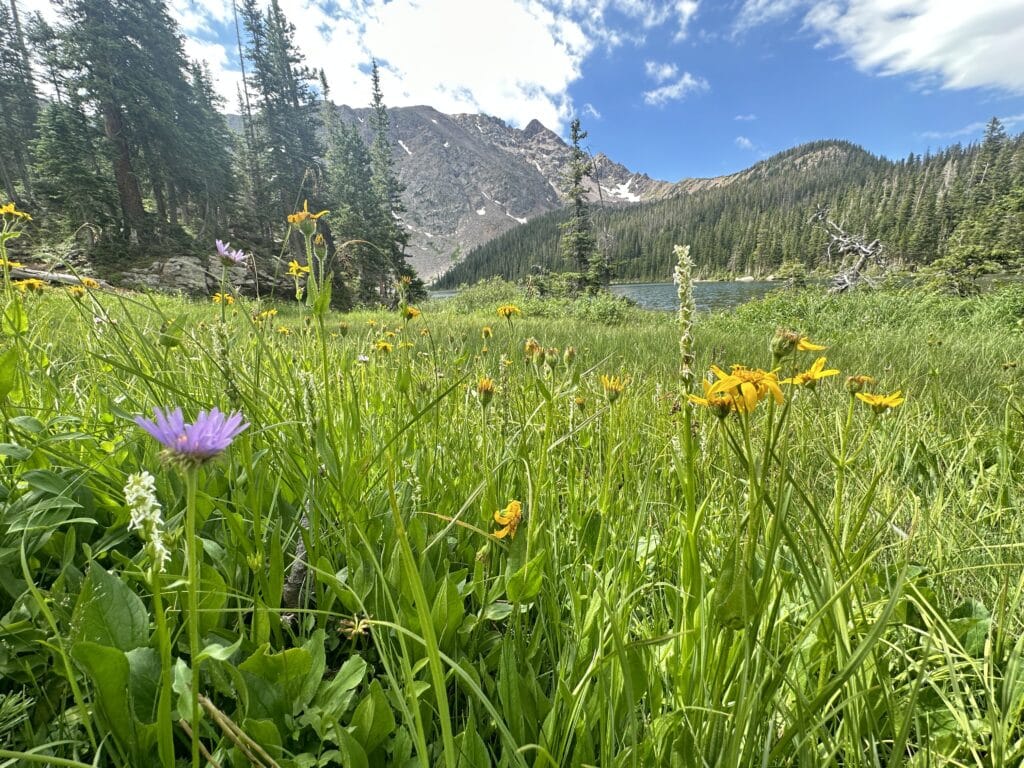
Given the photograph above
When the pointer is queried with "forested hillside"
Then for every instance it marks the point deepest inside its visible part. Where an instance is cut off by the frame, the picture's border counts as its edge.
(964, 205)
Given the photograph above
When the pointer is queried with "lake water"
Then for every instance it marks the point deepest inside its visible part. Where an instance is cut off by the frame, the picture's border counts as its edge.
(663, 296)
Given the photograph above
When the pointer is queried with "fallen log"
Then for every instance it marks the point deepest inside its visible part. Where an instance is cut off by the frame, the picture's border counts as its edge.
(21, 273)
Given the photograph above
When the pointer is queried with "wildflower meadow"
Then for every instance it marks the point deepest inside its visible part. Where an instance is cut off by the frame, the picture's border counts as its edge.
(487, 532)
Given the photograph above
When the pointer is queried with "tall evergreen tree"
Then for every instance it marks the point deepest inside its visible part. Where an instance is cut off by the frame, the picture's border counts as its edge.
(578, 244)
(18, 106)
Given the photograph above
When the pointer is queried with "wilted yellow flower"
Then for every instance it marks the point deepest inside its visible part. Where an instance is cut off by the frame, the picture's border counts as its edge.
(748, 386)
(485, 390)
(486, 332)
(812, 375)
(383, 346)
(424, 331)
(509, 519)
(10, 210)
(31, 284)
(507, 310)
(532, 348)
(410, 312)
(855, 384)
(882, 403)
(613, 387)
(784, 342)
(297, 270)
(226, 298)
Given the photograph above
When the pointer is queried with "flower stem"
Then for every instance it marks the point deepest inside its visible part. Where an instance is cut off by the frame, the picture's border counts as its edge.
(192, 555)
(165, 726)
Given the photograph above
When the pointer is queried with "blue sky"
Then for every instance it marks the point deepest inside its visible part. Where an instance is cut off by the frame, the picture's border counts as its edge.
(672, 88)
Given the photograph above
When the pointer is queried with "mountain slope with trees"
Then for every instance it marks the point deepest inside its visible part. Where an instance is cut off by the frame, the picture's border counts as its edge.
(960, 209)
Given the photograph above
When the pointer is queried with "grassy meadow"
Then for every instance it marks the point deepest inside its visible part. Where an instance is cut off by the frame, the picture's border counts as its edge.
(510, 560)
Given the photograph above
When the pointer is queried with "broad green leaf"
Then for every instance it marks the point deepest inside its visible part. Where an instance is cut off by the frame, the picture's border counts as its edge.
(373, 721)
(8, 371)
(15, 320)
(15, 451)
(734, 599)
(109, 613)
(524, 585)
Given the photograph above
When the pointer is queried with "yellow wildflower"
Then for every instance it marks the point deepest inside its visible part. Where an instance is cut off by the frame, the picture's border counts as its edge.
(10, 210)
(784, 342)
(882, 403)
(226, 298)
(509, 519)
(486, 332)
(284, 330)
(507, 310)
(719, 403)
(76, 292)
(812, 375)
(405, 345)
(383, 346)
(88, 282)
(613, 387)
(747, 386)
(10, 264)
(424, 332)
(410, 312)
(297, 270)
(304, 220)
(532, 349)
(32, 284)
(267, 314)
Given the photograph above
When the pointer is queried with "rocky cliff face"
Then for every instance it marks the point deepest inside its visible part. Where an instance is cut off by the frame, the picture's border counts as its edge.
(469, 178)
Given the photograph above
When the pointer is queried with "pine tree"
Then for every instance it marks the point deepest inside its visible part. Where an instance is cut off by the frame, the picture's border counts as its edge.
(577, 243)
(18, 106)
(390, 236)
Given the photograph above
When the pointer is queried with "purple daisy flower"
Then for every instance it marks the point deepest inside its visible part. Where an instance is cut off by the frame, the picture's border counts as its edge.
(228, 256)
(195, 443)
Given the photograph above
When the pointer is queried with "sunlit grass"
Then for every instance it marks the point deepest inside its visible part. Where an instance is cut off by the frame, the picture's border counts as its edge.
(513, 556)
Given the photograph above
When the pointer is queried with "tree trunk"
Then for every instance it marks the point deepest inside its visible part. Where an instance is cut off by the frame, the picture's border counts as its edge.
(128, 189)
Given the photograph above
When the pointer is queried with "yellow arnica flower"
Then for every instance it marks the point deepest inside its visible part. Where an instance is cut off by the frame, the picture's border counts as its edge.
(812, 375)
(719, 403)
(32, 284)
(509, 519)
(304, 220)
(10, 210)
(485, 390)
(267, 314)
(532, 348)
(882, 403)
(747, 386)
(613, 387)
(10, 264)
(297, 270)
(227, 298)
(384, 346)
(486, 332)
(784, 342)
(88, 282)
(284, 330)
(410, 312)
(76, 292)
(507, 310)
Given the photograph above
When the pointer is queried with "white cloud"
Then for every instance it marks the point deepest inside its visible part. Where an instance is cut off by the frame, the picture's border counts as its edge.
(659, 73)
(515, 59)
(675, 91)
(974, 129)
(591, 111)
(957, 43)
(745, 118)
(744, 143)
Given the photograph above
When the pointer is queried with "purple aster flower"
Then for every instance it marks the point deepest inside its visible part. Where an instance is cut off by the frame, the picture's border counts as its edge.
(208, 436)
(228, 256)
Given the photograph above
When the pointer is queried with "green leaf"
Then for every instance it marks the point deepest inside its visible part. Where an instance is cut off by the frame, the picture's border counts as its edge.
(15, 451)
(353, 753)
(470, 747)
(275, 682)
(524, 585)
(734, 599)
(109, 613)
(322, 300)
(373, 721)
(15, 320)
(8, 371)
